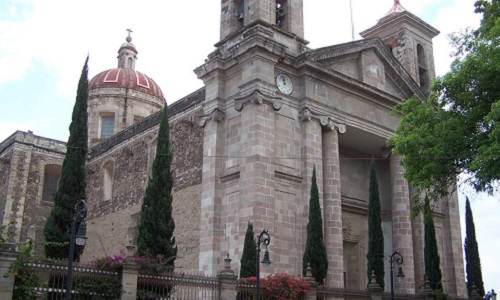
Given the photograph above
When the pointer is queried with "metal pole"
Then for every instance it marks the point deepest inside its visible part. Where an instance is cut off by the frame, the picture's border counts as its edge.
(71, 257)
(258, 270)
(392, 279)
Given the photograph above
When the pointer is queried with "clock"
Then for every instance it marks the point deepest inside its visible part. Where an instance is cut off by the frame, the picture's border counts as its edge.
(284, 83)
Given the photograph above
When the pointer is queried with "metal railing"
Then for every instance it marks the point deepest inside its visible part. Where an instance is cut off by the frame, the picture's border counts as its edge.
(89, 283)
(176, 286)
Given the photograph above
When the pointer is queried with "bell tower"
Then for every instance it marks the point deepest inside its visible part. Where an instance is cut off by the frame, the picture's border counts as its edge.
(410, 40)
(286, 15)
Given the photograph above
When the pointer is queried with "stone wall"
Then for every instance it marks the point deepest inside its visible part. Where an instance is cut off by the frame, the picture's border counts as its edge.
(110, 234)
(4, 180)
(112, 223)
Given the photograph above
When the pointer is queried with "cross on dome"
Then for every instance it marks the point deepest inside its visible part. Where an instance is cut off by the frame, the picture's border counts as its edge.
(129, 38)
(396, 8)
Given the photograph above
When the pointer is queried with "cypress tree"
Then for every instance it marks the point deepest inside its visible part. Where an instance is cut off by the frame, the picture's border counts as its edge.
(375, 256)
(472, 261)
(431, 255)
(315, 252)
(248, 260)
(71, 186)
(156, 225)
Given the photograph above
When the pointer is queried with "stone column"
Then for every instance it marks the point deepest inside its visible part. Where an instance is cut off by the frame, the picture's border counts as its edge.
(332, 207)
(374, 288)
(7, 258)
(312, 294)
(402, 236)
(130, 273)
(228, 281)
(129, 281)
(454, 255)
(211, 198)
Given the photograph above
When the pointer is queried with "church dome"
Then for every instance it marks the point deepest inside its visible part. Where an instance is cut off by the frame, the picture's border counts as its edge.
(126, 78)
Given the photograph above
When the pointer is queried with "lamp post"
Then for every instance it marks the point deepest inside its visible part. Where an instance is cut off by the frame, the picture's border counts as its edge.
(77, 238)
(264, 238)
(396, 258)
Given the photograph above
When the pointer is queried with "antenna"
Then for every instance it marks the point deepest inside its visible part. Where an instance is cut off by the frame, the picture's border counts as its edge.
(352, 20)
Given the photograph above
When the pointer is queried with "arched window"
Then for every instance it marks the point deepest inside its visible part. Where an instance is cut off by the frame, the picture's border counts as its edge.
(423, 74)
(51, 175)
(107, 180)
(281, 13)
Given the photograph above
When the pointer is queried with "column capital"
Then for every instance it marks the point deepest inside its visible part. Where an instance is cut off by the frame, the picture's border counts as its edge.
(257, 97)
(216, 115)
(328, 123)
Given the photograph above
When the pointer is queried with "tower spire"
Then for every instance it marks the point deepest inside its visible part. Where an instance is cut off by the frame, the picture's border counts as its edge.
(127, 54)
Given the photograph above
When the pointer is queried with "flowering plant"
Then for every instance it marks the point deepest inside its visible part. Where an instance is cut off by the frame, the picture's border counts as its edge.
(281, 286)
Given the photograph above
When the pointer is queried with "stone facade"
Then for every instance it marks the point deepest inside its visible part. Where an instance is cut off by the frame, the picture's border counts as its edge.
(244, 151)
(24, 157)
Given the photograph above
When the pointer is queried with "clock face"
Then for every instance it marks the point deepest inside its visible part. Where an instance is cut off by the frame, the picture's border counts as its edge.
(285, 84)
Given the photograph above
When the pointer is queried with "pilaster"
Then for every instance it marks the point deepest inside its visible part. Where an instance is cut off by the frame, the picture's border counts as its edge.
(211, 197)
(16, 192)
(260, 10)
(256, 172)
(402, 235)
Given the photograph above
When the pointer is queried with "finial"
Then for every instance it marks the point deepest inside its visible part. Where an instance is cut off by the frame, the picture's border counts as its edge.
(129, 38)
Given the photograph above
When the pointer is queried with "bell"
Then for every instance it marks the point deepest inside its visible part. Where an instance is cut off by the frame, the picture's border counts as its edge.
(266, 260)
(400, 273)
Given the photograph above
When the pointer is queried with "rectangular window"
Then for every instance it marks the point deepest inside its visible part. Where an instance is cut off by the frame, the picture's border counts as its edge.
(51, 177)
(107, 126)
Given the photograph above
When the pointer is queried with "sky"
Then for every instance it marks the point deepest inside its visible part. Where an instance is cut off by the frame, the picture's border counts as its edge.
(43, 44)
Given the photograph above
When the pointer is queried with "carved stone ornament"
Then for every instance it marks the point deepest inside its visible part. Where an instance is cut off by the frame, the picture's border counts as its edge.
(326, 122)
(216, 115)
(257, 97)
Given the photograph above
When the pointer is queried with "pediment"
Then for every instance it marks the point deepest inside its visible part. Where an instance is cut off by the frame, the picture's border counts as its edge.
(370, 62)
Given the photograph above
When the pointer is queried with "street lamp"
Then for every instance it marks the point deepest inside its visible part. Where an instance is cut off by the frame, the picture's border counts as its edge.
(264, 238)
(77, 238)
(396, 258)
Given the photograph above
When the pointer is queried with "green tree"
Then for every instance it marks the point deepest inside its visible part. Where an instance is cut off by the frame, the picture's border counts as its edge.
(431, 255)
(315, 252)
(156, 225)
(375, 256)
(248, 267)
(71, 187)
(472, 261)
(456, 129)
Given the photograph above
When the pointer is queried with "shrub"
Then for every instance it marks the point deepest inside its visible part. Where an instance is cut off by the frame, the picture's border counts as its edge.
(282, 286)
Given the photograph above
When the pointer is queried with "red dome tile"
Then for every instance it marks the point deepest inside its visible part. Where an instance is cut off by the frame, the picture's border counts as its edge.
(126, 78)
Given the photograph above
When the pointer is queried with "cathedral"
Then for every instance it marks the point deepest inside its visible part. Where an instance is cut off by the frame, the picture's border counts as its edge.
(245, 145)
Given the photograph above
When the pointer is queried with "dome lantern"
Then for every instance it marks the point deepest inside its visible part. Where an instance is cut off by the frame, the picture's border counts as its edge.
(127, 54)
